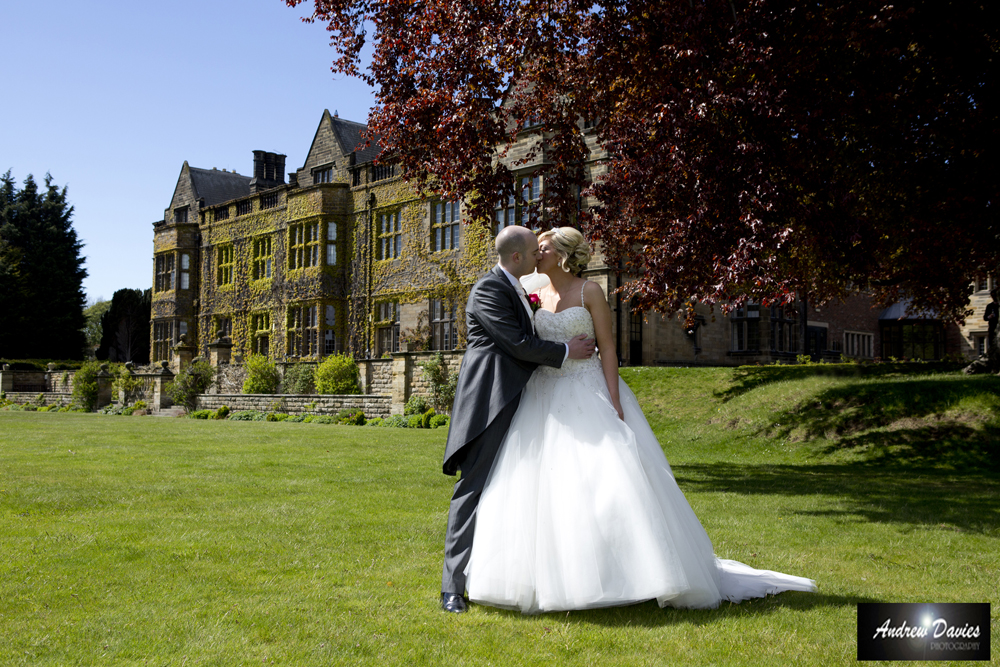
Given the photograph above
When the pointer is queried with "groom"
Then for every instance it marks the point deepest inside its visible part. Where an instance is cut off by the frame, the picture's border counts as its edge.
(501, 353)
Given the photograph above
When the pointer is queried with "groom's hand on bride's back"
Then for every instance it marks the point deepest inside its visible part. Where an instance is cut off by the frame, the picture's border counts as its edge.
(581, 347)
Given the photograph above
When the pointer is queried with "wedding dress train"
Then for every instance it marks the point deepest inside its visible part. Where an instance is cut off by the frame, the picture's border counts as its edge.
(581, 510)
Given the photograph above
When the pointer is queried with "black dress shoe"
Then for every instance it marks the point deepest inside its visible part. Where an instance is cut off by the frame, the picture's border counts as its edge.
(453, 602)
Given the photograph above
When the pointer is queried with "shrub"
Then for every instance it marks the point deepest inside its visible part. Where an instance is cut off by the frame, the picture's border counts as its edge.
(221, 413)
(417, 405)
(127, 412)
(201, 414)
(425, 421)
(262, 375)
(396, 421)
(443, 383)
(44, 408)
(296, 418)
(299, 379)
(191, 382)
(85, 385)
(323, 419)
(277, 416)
(415, 421)
(248, 416)
(338, 374)
(140, 405)
(374, 422)
(439, 420)
(351, 417)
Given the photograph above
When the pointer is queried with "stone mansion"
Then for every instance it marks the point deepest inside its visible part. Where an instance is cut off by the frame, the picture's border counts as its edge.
(345, 256)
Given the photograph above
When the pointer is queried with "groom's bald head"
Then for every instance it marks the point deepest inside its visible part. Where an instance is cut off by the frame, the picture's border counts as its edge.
(517, 248)
(515, 239)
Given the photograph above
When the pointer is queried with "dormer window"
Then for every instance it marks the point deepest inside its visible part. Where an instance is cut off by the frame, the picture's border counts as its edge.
(323, 175)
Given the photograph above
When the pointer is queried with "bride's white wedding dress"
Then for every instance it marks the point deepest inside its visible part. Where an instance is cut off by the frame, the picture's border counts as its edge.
(581, 510)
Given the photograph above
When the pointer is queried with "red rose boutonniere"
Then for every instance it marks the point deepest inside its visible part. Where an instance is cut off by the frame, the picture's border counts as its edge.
(534, 302)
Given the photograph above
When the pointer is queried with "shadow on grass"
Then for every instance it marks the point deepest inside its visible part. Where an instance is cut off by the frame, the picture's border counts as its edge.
(748, 378)
(650, 615)
(920, 434)
(966, 502)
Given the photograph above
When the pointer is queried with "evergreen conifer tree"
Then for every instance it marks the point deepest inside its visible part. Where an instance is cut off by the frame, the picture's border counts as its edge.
(125, 327)
(41, 273)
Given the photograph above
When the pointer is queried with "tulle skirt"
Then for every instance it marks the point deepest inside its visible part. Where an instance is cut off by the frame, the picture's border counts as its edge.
(581, 510)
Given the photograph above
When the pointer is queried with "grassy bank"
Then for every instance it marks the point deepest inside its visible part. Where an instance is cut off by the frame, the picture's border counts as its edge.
(173, 541)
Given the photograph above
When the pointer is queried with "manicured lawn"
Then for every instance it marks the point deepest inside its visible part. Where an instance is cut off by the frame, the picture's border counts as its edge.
(176, 541)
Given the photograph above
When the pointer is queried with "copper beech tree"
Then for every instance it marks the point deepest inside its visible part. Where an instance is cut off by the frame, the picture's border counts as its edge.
(762, 150)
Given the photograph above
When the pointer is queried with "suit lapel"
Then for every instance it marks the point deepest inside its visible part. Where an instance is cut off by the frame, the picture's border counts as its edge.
(521, 314)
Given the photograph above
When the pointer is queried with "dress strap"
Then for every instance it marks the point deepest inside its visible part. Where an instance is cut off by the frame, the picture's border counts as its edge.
(582, 303)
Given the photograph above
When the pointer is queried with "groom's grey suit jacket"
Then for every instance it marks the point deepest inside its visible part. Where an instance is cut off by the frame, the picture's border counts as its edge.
(501, 353)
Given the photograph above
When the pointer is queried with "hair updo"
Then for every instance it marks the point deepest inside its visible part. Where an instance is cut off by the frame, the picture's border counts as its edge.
(572, 248)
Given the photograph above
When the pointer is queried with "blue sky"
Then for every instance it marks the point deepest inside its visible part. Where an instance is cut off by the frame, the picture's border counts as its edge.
(111, 97)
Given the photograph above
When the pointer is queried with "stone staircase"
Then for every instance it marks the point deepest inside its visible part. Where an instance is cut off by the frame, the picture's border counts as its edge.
(173, 411)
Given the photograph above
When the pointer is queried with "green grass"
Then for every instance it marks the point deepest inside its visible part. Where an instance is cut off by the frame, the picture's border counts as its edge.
(174, 541)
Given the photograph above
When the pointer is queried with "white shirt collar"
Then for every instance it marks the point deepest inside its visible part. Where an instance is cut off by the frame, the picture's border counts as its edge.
(513, 281)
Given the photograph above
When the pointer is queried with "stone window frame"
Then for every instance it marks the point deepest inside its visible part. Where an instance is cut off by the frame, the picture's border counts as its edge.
(181, 214)
(221, 213)
(443, 317)
(386, 325)
(518, 207)
(744, 325)
(446, 219)
(261, 329)
(323, 173)
(163, 340)
(329, 329)
(331, 243)
(389, 234)
(784, 335)
(860, 344)
(225, 264)
(244, 207)
(303, 245)
(302, 329)
(163, 268)
(185, 271)
(262, 248)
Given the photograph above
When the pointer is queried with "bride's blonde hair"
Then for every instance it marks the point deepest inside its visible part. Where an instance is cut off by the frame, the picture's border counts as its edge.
(572, 248)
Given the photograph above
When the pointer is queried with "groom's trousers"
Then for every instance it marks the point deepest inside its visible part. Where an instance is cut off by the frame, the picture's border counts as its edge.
(477, 460)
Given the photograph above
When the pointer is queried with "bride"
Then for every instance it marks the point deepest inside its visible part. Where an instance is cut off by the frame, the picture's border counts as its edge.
(581, 509)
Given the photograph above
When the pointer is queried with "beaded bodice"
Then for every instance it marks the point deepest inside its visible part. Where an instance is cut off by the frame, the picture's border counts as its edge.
(561, 327)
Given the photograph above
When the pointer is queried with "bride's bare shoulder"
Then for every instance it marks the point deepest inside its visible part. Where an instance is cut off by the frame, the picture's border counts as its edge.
(593, 293)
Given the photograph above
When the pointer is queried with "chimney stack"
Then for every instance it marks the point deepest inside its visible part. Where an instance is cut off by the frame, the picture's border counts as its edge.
(268, 171)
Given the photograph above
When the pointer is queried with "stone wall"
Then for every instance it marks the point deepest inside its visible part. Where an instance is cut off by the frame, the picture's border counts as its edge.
(51, 398)
(371, 404)
(376, 376)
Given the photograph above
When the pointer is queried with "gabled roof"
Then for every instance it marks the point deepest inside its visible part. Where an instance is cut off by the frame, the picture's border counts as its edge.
(216, 186)
(349, 135)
